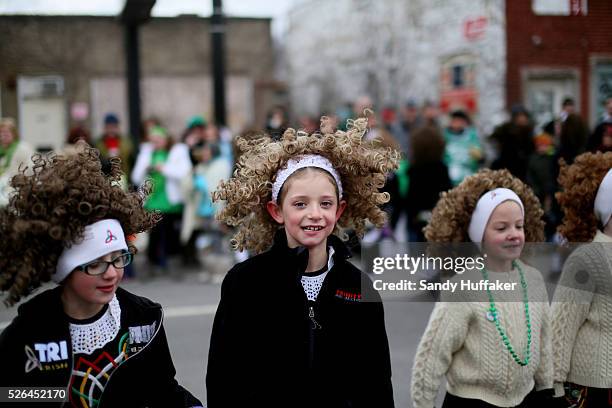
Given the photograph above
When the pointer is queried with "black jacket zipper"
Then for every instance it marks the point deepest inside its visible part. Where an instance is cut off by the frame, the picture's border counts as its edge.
(312, 328)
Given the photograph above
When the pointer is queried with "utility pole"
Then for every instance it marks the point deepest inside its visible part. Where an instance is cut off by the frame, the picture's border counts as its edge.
(217, 31)
(135, 13)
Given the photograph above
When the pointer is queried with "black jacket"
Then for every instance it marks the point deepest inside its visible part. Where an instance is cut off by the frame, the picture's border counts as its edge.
(146, 378)
(266, 351)
(427, 181)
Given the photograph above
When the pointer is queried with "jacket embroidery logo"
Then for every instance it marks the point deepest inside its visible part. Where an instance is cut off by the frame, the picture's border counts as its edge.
(350, 296)
(109, 237)
(141, 334)
(32, 362)
(51, 353)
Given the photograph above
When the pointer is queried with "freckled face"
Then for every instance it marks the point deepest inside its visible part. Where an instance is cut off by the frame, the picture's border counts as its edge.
(504, 236)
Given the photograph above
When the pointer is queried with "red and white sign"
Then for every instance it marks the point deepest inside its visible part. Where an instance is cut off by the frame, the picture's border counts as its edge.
(475, 28)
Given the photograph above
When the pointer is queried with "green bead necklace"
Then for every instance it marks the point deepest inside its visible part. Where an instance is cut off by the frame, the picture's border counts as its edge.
(493, 313)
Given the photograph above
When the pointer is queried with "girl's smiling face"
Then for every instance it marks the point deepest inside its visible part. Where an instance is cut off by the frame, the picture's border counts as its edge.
(504, 237)
(309, 208)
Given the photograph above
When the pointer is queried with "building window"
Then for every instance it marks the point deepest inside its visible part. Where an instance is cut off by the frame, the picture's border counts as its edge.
(559, 7)
(458, 76)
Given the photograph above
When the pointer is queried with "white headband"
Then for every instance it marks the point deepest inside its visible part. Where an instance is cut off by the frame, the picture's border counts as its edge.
(308, 160)
(99, 239)
(603, 199)
(485, 207)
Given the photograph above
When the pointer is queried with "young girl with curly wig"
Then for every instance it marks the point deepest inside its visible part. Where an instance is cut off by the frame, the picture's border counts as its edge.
(291, 328)
(67, 222)
(494, 346)
(582, 304)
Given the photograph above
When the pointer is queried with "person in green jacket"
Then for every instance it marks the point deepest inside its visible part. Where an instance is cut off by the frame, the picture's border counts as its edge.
(464, 152)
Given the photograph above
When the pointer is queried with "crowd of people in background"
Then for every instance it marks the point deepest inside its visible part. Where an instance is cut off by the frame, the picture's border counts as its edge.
(438, 151)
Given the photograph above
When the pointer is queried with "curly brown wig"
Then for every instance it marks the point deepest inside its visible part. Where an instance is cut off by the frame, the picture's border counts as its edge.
(579, 184)
(53, 201)
(362, 165)
(452, 215)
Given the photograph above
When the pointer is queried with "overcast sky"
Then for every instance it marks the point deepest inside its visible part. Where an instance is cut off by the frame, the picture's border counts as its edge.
(275, 9)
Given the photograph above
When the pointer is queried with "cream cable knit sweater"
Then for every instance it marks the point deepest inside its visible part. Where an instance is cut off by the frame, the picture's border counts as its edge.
(461, 343)
(582, 317)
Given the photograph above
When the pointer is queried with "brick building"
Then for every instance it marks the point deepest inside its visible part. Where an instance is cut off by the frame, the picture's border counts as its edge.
(53, 68)
(483, 55)
(557, 49)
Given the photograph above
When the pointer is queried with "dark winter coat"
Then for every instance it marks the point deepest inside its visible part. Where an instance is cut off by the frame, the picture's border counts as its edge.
(269, 348)
(145, 379)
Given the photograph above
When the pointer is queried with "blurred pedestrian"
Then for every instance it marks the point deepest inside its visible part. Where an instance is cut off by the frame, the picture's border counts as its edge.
(389, 118)
(13, 153)
(463, 154)
(428, 177)
(431, 115)
(194, 135)
(541, 176)
(572, 138)
(396, 181)
(277, 121)
(308, 124)
(113, 144)
(601, 138)
(568, 107)
(76, 133)
(146, 126)
(221, 138)
(514, 143)
(410, 120)
(607, 114)
(198, 215)
(166, 165)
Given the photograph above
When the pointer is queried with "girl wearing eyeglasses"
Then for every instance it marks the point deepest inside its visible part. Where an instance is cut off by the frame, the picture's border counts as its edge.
(105, 347)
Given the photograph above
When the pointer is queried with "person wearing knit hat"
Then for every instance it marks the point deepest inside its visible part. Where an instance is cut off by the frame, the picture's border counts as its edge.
(293, 327)
(196, 121)
(582, 303)
(67, 222)
(112, 143)
(493, 347)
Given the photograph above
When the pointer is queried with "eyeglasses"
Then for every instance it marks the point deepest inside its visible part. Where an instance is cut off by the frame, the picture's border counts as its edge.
(98, 267)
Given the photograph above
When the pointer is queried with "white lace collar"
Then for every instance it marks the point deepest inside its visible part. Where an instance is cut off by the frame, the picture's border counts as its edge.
(312, 284)
(92, 336)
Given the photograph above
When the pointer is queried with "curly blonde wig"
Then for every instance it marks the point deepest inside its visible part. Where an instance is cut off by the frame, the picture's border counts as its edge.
(53, 201)
(452, 215)
(579, 183)
(362, 165)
